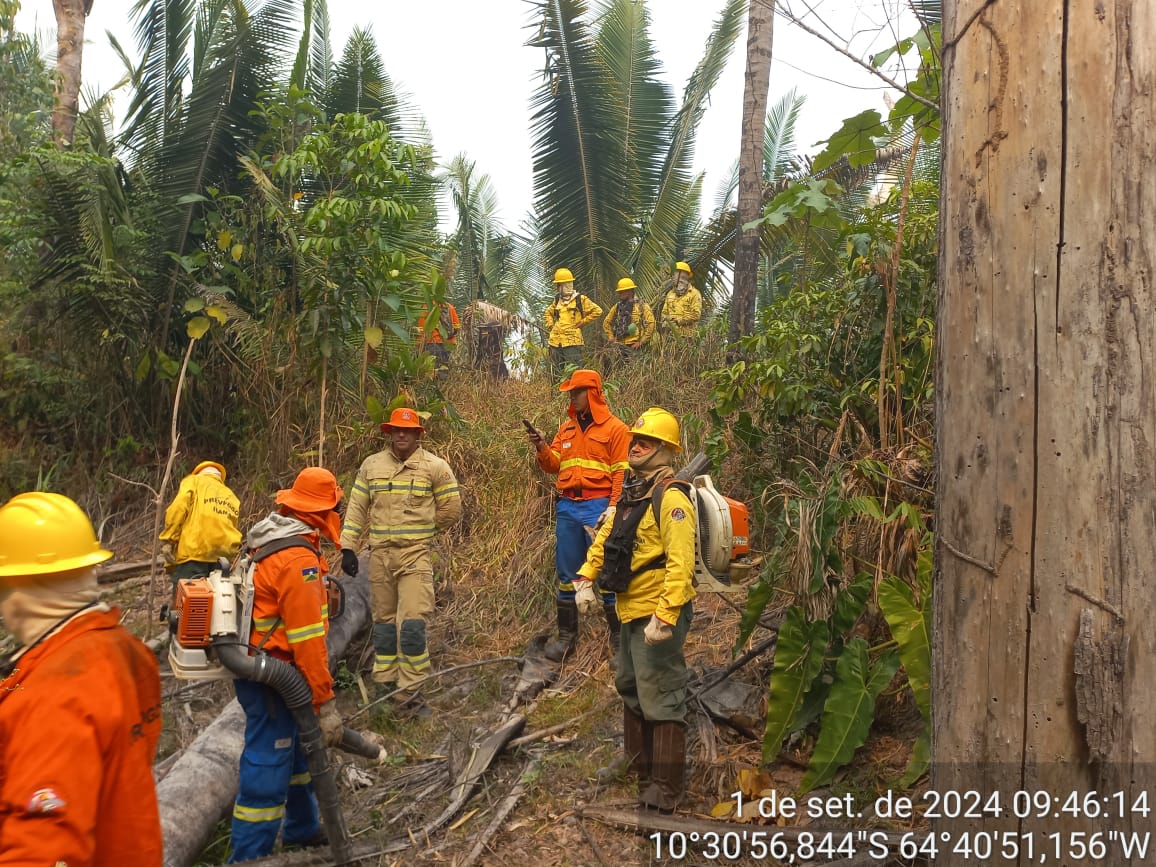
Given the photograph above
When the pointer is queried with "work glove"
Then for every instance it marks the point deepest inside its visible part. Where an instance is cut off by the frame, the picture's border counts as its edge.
(656, 631)
(607, 515)
(349, 562)
(167, 552)
(332, 726)
(587, 599)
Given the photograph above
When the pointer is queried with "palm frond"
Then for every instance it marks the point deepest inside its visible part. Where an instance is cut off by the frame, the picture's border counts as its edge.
(624, 44)
(314, 64)
(779, 136)
(655, 249)
(581, 185)
(163, 31)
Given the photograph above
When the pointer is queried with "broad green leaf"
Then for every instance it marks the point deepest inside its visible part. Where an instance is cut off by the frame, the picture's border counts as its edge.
(374, 336)
(798, 658)
(868, 506)
(142, 369)
(850, 603)
(855, 140)
(849, 710)
(198, 327)
(194, 305)
(919, 762)
(758, 596)
(374, 409)
(191, 198)
(909, 629)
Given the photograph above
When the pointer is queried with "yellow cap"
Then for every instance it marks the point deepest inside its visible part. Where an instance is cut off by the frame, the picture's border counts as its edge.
(682, 266)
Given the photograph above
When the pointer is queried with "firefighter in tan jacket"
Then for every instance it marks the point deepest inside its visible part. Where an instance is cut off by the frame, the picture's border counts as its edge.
(402, 498)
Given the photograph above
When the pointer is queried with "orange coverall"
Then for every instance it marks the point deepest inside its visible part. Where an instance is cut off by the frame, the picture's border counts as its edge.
(80, 715)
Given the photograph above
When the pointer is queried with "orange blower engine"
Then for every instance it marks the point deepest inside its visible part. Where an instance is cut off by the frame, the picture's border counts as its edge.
(207, 608)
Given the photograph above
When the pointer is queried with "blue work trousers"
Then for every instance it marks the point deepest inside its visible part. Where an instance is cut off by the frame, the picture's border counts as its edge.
(275, 793)
(572, 541)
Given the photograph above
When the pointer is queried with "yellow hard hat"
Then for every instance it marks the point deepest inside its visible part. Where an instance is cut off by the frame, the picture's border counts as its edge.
(210, 465)
(45, 534)
(658, 424)
(563, 275)
(625, 284)
(682, 266)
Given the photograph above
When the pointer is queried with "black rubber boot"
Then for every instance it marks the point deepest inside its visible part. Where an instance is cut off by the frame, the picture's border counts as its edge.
(615, 629)
(567, 640)
(667, 768)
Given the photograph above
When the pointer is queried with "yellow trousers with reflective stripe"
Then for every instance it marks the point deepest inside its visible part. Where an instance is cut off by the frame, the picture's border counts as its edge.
(402, 593)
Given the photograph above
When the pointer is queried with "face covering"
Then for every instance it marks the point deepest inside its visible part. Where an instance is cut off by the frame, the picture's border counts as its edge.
(30, 611)
(566, 292)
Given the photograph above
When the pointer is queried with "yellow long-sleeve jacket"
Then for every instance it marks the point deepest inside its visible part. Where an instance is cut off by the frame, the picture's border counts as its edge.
(201, 521)
(396, 503)
(681, 313)
(664, 589)
(566, 318)
(641, 317)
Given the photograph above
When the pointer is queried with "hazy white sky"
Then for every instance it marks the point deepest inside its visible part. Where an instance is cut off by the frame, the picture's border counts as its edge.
(466, 66)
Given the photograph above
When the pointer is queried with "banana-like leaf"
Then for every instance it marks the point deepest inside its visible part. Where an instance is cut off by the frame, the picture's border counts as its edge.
(849, 710)
(919, 762)
(907, 620)
(798, 659)
(850, 604)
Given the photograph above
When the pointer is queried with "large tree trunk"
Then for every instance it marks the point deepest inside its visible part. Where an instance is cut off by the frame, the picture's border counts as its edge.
(1046, 408)
(70, 15)
(760, 19)
(200, 789)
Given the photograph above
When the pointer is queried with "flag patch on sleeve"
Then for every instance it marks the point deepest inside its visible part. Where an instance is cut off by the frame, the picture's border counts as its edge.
(45, 801)
(309, 574)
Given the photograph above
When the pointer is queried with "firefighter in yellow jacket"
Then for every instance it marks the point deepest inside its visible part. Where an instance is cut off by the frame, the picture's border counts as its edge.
(565, 317)
(403, 496)
(630, 323)
(682, 307)
(201, 523)
(650, 566)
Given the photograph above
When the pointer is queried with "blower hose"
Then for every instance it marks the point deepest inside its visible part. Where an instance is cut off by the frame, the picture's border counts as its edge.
(294, 689)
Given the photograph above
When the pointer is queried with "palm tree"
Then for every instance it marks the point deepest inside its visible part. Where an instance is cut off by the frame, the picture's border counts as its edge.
(611, 156)
(760, 30)
(70, 19)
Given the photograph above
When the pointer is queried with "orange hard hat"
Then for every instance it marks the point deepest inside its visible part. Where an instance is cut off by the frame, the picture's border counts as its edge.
(582, 379)
(403, 417)
(314, 490)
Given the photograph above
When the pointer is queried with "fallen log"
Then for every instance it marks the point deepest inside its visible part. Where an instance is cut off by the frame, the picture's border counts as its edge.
(200, 788)
(112, 574)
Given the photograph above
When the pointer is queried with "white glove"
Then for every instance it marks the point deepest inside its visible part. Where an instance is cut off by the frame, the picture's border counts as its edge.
(607, 515)
(587, 599)
(332, 726)
(657, 631)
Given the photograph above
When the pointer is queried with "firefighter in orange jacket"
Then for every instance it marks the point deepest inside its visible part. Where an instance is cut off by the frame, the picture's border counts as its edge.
(431, 339)
(80, 702)
(589, 454)
(290, 621)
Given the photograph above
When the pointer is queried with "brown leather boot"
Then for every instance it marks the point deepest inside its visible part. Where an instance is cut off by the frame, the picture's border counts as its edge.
(567, 640)
(667, 768)
(635, 758)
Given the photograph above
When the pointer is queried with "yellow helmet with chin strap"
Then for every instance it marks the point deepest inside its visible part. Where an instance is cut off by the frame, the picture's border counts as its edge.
(682, 266)
(45, 534)
(563, 275)
(658, 424)
(625, 284)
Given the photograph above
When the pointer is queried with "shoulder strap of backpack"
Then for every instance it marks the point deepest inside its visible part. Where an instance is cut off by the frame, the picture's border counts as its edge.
(270, 548)
(656, 498)
(267, 550)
